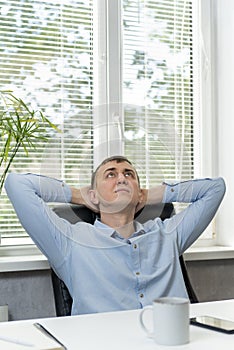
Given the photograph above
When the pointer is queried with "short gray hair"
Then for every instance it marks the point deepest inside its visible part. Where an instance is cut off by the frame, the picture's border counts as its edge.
(117, 159)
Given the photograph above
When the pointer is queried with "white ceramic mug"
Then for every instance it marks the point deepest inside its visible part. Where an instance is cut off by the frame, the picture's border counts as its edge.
(170, 321)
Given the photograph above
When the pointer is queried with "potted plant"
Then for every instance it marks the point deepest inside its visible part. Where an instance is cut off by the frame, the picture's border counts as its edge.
(20, 128)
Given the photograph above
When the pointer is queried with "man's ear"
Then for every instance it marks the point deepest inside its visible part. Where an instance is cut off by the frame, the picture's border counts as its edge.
(93, 197)
(141, 195)
(142, 199)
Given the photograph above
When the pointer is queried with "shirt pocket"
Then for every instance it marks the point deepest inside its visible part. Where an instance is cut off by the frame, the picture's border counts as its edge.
(161, 253)
(163, 261)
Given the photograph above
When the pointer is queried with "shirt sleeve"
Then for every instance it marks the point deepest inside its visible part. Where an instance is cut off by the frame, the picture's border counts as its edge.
(204, 196)
(29, 194)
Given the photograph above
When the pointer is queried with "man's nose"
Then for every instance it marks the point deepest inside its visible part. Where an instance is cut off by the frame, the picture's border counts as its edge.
(121, 179)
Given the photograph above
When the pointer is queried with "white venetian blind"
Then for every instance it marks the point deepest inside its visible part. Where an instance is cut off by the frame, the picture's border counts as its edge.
(46, 58)
(158, 91)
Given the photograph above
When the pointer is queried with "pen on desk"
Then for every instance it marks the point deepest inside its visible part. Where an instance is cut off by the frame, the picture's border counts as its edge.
(46, 332)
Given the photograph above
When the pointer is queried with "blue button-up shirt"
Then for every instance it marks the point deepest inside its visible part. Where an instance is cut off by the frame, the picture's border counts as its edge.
(102, 271)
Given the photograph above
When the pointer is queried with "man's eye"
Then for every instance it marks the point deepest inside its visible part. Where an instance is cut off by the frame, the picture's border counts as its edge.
(129, 174)
(110, 175)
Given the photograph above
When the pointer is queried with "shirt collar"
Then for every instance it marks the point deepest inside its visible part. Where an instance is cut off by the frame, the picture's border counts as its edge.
(105, 228)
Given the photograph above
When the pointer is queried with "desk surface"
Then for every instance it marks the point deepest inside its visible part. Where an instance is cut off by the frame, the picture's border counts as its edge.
(121, 330)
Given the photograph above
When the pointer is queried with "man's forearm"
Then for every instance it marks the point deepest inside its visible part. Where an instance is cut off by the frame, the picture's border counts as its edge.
(151, 196)
(193, 190)
(81, 196)
(78, 195)
(155, 194)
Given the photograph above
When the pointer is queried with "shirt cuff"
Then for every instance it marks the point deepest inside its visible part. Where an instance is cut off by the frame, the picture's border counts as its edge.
(170, 193)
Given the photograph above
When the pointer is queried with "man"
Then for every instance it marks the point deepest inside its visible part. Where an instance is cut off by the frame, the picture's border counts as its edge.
(117, 263)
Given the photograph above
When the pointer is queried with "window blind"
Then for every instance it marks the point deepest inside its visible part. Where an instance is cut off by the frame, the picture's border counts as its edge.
(158, 69)
(46, 58)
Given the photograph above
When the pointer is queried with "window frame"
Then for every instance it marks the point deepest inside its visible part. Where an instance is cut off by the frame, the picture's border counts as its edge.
(108, 112)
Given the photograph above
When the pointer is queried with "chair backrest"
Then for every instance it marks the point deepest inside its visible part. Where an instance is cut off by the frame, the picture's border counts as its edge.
(74, 213)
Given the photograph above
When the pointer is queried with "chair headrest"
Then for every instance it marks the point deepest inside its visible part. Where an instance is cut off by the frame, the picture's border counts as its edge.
(74, 213)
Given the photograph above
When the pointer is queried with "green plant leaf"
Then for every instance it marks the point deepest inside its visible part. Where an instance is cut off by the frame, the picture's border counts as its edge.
(21, 128)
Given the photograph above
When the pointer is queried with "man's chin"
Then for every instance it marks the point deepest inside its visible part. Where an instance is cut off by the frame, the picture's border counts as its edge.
(116, 207)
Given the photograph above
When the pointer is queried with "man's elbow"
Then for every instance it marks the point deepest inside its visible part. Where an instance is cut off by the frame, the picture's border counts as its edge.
(221, 187)
(11, 182)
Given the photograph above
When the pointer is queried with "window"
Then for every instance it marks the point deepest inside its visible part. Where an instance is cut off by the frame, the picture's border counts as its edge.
(116, 76)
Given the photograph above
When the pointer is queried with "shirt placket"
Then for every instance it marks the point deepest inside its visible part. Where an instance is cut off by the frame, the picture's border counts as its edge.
(140, 288)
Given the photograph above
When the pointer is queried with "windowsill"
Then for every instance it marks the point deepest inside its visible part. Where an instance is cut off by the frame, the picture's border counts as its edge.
(30, 258)
(23, 263)
(22, 258)
(209, 253)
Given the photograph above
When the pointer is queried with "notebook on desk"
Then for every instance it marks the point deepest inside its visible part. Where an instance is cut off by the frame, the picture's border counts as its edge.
(18, 336)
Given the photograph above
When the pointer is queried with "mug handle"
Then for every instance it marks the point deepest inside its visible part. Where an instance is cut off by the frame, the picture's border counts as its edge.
(149, 333)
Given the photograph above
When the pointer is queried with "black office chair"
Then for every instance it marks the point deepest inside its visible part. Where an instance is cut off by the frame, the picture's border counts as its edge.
(75, 213)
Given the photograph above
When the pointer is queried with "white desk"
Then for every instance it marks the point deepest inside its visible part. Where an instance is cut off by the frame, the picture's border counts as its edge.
(121, 330)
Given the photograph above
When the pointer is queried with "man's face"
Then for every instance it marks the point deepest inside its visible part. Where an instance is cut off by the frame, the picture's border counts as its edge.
(116, 187)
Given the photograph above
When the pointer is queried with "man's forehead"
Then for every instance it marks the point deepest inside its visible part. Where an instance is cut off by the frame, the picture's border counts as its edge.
(115, 165)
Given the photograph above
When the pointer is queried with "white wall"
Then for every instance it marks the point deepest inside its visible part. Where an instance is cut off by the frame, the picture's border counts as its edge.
(223, 31)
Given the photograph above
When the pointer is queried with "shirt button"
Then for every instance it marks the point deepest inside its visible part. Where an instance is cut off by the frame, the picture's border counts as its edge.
(172, 190)
(137, 273)
(135, 246)
(141, 295)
